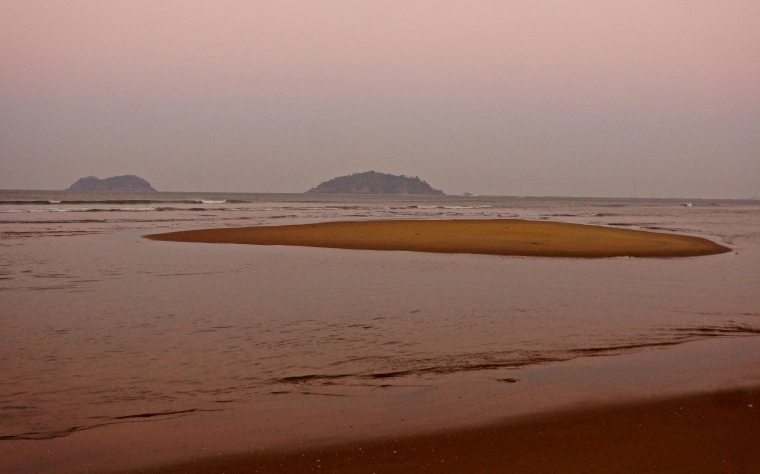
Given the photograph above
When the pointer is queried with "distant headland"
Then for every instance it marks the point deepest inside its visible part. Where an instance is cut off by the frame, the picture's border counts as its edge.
(372, 182)
(116, 184)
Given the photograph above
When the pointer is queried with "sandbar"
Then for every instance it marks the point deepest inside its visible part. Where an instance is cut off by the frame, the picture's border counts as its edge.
(493, 237)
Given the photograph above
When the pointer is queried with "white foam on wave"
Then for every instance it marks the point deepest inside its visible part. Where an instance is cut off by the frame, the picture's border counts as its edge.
(136, 209)
(210, 201)
(451, 207)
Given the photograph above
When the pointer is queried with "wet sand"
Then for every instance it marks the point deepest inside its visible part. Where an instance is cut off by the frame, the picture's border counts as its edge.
(494, 237)
(467, 416)
(706, 433)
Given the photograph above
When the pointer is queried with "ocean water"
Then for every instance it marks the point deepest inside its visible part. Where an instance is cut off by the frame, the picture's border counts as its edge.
(99, 326)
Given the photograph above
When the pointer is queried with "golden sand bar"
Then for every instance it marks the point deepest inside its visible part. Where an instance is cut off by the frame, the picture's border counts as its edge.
(493, 237)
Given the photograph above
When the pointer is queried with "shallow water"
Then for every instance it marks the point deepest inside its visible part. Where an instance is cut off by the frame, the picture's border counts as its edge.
(100, 326)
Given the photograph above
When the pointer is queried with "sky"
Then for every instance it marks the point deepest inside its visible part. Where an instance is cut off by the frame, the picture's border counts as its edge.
(531, 98)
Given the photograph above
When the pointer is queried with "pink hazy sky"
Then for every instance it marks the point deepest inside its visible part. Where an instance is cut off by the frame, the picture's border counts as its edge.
(584, 98)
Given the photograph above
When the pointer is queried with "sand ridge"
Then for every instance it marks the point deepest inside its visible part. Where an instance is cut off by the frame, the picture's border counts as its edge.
(494, 237)
(699, 433)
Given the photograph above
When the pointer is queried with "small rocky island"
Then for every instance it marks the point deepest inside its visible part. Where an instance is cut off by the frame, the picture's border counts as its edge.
(116, 184)
(372, 182)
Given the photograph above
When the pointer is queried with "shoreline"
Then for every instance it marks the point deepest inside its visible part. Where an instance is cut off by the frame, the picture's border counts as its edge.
(698, 433)
(462, 403)
(509, 237)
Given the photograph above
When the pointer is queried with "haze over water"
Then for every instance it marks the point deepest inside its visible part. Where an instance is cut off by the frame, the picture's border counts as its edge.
(101, 326)
(550, 98)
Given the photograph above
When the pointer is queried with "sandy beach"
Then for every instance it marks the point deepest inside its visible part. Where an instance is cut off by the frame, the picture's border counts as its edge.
(126, 354)
(493, 237)
(706, 433)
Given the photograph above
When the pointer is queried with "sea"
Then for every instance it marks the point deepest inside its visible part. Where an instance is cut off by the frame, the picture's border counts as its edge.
(101, 327)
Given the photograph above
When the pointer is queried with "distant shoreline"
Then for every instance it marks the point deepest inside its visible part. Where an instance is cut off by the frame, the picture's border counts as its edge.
(318, 197)
(492, 237)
